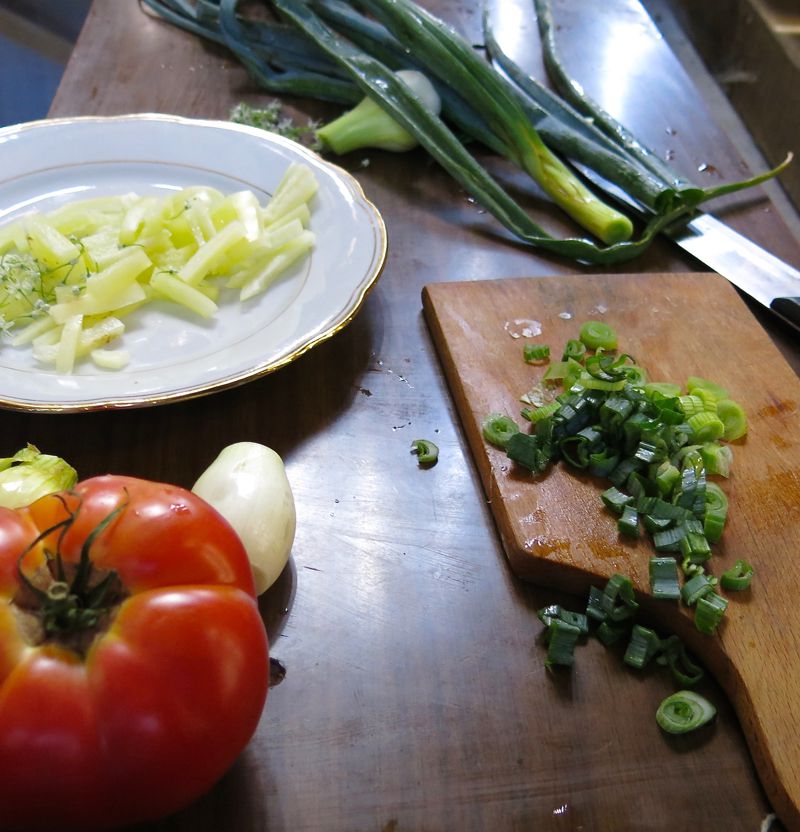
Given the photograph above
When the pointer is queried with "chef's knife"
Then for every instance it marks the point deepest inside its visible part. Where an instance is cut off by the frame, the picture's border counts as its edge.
(753, 269)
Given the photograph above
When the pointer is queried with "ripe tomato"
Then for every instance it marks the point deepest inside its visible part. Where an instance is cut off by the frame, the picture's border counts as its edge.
(133, 659)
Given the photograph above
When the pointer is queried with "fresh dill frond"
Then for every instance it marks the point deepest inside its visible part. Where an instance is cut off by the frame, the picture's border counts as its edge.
(269, 118)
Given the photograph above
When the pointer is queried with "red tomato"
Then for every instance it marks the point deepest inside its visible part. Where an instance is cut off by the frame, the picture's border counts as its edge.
(137, 713)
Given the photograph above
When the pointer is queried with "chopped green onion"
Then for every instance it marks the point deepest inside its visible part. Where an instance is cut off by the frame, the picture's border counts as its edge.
(669, 540)
(708, 613)
(673, 654)
(529, 452)
(576, 619)
(598, 335)
(665, 389)
(733, 419)
(717, 458)
(684, 711)
(615, 500)
(666, 477)
(594, 605)
(655, 524)
(561, 640)
(691, 405)
(694, 544)
(574, 349)
(619, 601)
(705, 426)
(716, 512)
(628, 523)
(664, 578)
(609, 633)
(534, 353)
(738, 577)
(696, 383)
(708, 397)
(498, 428)
(643, 645)
(427, 453)
(695, 588)
(536, 414)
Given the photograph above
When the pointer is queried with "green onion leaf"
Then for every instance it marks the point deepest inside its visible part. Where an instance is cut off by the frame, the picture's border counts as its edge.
(609, 633)
(529, 451)
(615, 500)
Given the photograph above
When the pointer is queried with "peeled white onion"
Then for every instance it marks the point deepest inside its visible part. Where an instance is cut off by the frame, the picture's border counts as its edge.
(247, 485)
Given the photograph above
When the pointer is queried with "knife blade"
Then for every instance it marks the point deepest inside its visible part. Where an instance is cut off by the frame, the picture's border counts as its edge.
(751, 268)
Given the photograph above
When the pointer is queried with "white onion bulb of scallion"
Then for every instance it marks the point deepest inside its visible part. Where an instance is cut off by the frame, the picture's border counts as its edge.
(248, 486)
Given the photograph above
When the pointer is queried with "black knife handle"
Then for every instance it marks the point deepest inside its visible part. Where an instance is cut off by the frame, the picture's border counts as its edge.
(788, 309)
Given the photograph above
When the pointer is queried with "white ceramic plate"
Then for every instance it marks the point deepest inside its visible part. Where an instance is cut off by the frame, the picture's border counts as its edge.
(46, 164)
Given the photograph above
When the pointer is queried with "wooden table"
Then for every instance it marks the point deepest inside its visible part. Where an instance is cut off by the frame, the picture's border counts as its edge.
(416, 696)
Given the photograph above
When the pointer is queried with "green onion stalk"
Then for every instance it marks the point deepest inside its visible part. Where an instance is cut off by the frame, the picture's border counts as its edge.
(448, 56)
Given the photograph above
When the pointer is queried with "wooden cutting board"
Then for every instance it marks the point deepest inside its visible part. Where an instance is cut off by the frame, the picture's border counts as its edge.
(554, 528)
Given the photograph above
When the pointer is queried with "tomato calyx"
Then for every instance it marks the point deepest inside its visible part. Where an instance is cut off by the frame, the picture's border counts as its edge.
(68, 603)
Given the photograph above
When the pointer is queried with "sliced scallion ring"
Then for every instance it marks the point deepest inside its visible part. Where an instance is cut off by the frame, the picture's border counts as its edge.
(427, 453)
(535, 353)
(738, 577)
(498, 428)
(684, 711)
(598, 335)
(733, 417)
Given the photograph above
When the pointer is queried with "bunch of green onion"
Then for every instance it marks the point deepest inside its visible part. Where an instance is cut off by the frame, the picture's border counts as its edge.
(341, 52)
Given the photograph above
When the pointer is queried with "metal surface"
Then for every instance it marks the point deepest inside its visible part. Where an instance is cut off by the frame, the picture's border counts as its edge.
(748, 266)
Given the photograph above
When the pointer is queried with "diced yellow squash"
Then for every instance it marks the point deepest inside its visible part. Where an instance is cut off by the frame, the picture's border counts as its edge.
(278, 264)
(135, 218)
(107, 284)
(49, 246)
(177, 290)
(89, 304)
(68, 344)
(110, 359)
(206, 257)
(33, 330)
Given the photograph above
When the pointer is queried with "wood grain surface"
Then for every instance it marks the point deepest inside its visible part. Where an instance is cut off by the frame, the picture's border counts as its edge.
(554, 529)
(415, 697)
